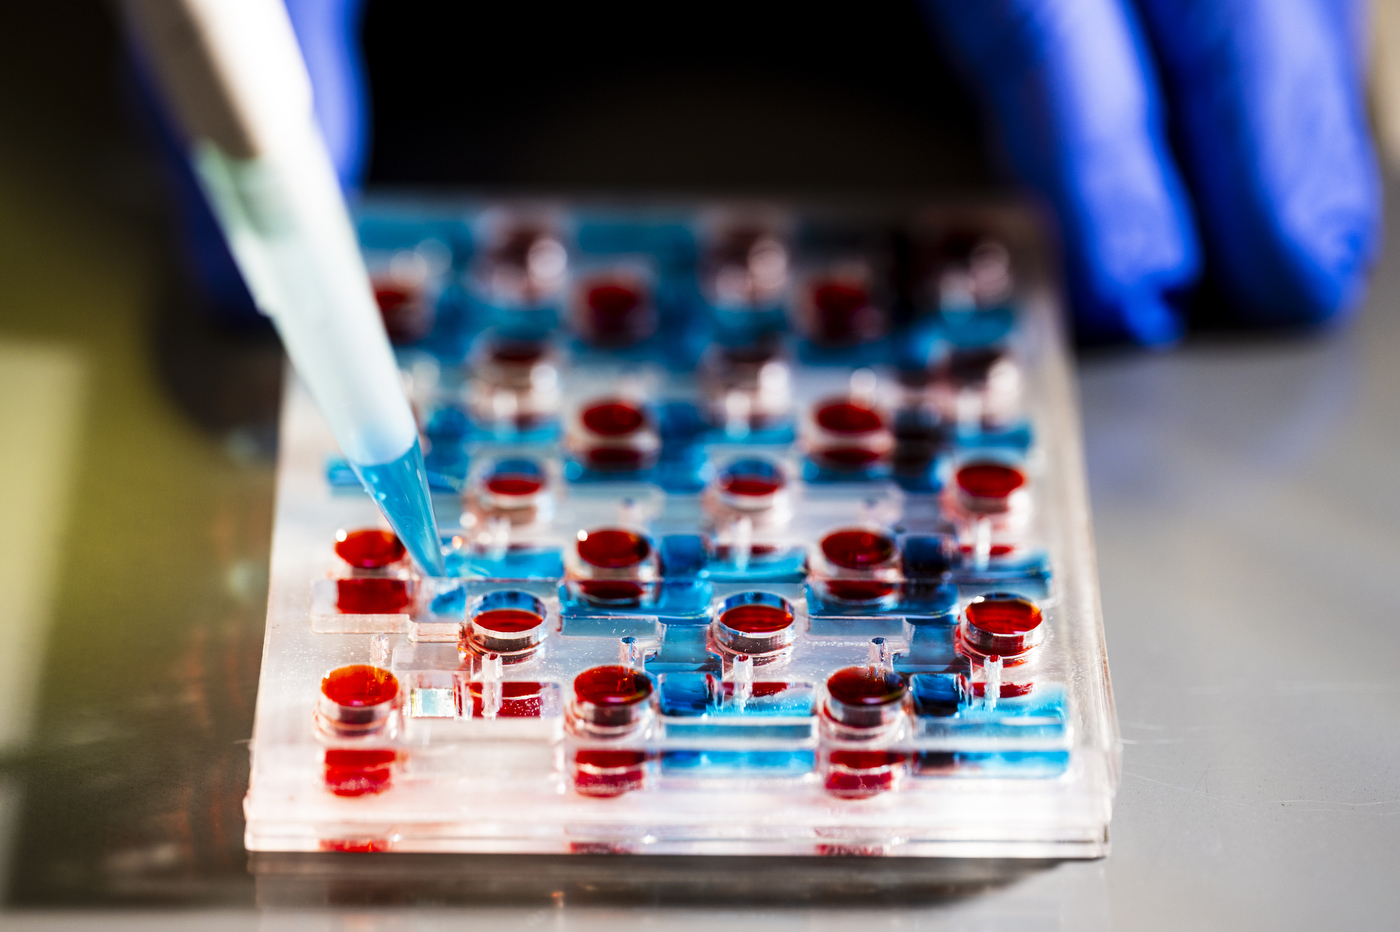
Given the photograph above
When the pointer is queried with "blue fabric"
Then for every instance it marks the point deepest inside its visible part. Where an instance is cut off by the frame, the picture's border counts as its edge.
(1267, 114)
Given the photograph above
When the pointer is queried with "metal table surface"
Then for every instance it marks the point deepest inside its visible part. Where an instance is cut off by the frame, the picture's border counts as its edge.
(1248, 528)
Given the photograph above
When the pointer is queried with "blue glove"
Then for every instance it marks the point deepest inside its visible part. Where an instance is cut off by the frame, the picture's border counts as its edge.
(1277, 182)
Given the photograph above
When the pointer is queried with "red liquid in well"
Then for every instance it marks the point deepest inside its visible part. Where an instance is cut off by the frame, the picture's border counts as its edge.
(990, 480)
(613, 549)
(518, 699)
(848, 457)
(514, 484)
(615, 314)
(405, 318)
(865, 686)
(507, 620)
(615, 459)
(840, 312)
(613, 419)
(371, 596)
(750, 485)
(615, 591)
(370, 549)
(357, 773)
(859, 590)
(359, 685)
(842, 417)
(761, 690)
(997, 550)
(612, 685)
(1011, 623)
(858, 774)
(1007, 691)
(612, 305)
(517, 354)
(608, 773)
(857, 550)
(756, 618)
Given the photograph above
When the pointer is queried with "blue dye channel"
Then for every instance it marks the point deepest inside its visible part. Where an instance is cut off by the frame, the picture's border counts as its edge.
(400, 489)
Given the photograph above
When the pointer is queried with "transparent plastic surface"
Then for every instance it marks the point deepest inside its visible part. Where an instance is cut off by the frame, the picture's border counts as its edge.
(758, 545)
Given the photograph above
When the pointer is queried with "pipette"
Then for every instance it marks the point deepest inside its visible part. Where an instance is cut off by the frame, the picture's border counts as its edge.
(234, 74)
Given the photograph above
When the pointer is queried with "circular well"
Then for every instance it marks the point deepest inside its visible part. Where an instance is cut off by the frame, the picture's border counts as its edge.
(755, 623)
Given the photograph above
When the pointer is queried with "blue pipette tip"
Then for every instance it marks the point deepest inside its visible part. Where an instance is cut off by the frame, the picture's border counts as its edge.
(401, 490)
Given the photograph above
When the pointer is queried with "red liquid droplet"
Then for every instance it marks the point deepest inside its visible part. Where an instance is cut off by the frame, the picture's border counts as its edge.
(614, 459)
(859, 774)
(357, 773)
(613, 549)
(857, 550)
(608, 773)
(612, 685)
(750, 485)
(842, 417)
(371, 596)
(360, 685)
(756, 618)
(507, 620)
(518, 699)
(613, 419)
(514, 484)
(858, 590)
(370, 549)
(990, 480)
(865, 686)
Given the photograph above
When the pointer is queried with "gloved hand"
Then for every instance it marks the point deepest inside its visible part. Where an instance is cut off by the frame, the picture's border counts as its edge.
(1261, 102)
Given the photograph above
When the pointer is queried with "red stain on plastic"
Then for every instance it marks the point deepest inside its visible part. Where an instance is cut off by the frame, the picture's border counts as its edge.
(358, 773)
(372, 596)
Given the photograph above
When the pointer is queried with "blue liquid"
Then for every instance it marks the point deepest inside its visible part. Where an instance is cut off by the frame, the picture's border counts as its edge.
(400, 489)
